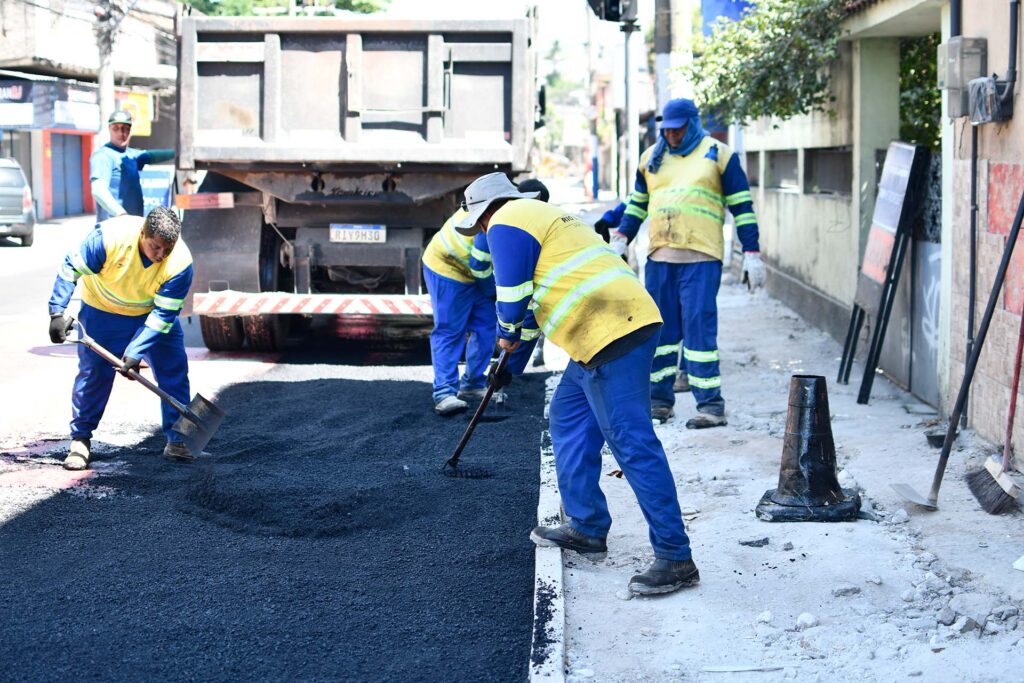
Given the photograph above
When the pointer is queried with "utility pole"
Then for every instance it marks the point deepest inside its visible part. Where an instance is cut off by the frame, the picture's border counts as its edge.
(109, 15)
(632, 115)
(673, 28)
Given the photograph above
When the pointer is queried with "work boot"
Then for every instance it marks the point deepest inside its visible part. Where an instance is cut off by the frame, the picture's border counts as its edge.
(477, 395)
(449, 405)
(78, 455)
(565, 537)
(661, 414)
(176, 450)
(705, 421)
(682, 383)
(665, 576)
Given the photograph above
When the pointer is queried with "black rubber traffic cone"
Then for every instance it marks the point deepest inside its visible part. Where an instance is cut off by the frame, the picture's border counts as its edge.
(808, 489)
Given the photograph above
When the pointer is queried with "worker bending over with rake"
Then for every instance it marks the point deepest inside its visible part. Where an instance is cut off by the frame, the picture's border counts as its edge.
(589, 303)
(457, 270)
(136, 273)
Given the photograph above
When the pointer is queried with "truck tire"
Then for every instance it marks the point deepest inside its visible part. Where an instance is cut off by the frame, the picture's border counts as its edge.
(266, 333)
(222, 334)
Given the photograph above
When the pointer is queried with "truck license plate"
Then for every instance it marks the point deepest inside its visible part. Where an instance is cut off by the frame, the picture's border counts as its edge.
(365, 234)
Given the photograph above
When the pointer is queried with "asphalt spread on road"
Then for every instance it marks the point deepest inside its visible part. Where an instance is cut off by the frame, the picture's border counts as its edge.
(318, 542)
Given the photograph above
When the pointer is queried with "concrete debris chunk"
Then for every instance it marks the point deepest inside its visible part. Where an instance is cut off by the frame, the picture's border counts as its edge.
(764, 617)
(908, 595)
(755, 542)
(845, 590)
(975, 606)
(899, 517)
(993, 627)
(787, 546)
(806, 620)
(624, 594)
(877, 580)
(946, 616)
(1004, 612)
(964, 625)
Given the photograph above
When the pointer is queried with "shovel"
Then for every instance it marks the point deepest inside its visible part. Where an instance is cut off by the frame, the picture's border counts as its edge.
(199, 419)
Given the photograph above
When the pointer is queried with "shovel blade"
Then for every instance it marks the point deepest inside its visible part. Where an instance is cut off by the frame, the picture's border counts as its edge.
(913, 496)
(196, 433)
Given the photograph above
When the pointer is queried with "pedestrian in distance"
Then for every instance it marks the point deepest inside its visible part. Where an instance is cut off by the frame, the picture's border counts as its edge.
(552, 267)
(684, 183)
(135, 273)
(460, 281)
(114, 170)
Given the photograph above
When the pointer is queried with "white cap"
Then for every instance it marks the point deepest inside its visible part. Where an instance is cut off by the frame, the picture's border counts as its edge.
(481, 193)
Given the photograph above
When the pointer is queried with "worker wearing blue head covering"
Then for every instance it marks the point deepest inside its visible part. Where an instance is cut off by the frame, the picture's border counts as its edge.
(684, 184)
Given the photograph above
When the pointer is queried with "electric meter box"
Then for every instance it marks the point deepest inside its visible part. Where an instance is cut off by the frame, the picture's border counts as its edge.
(960, 60)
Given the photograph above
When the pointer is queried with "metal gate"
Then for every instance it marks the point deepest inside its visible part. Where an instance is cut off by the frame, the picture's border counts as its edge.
(66, 174)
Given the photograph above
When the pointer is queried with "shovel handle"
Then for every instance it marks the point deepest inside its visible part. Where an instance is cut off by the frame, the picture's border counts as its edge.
(454, 460)
(90, 343)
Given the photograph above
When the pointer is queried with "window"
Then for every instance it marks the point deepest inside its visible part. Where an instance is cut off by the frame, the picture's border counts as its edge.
(828, 171)
(753, 166)
(782, 170)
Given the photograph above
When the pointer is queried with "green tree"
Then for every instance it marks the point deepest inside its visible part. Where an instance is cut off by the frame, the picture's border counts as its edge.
(773, 61)
(920, 97)
(245, 7)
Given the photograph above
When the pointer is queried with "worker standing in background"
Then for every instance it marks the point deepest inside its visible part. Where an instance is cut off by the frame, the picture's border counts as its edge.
(114, 171)
(552, 266)
(609, 221)
(135, 276)
(460, 281)
(683, 185)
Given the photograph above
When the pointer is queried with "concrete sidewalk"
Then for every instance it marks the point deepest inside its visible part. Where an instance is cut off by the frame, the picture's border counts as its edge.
(917, 593)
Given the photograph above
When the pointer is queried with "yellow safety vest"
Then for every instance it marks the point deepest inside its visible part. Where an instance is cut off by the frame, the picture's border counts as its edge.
(686, 205)
(584, 296)
(123, 285)
(447, 253)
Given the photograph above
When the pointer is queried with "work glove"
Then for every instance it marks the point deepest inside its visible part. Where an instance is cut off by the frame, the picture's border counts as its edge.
(498, 379)
(618, 243)
(754, 273)
(602, 227)
(130, 363)
(59, 327)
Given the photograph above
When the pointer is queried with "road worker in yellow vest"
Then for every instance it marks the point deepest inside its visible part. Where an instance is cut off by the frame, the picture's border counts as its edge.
(684, 184)
(552, 267)
(135, 273)
(457, 270)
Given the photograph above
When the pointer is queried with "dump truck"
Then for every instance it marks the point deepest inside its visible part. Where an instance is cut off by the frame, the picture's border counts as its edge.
(330, 150)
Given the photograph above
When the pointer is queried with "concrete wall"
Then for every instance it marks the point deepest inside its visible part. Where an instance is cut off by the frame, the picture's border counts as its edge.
(56, 36)
(1001, 182)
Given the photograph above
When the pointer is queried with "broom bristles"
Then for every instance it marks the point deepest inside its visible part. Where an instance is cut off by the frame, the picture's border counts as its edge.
(989, 494)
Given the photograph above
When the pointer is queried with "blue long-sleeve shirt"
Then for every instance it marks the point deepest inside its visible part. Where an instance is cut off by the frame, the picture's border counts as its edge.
(94, 256)
(119, 170)
(736, 193)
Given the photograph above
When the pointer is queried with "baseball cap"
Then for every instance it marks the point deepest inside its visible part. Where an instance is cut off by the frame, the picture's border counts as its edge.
(120, 117)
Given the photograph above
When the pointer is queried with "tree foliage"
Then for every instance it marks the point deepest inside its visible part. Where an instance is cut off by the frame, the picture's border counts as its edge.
(773, 61)
(245, 7)
(920, 97)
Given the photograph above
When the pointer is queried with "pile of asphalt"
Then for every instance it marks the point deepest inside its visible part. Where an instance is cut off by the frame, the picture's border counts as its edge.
(318, 542)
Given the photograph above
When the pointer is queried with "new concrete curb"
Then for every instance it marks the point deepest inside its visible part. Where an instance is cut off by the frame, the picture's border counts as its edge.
(547, 652)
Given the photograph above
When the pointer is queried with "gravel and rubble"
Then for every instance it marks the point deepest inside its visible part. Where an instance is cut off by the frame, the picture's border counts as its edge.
(899, 593)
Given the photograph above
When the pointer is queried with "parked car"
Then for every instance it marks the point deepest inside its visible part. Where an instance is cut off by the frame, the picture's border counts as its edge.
(17, 216)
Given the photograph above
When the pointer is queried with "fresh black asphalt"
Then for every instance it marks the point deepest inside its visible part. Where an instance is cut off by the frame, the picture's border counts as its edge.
(318, 542)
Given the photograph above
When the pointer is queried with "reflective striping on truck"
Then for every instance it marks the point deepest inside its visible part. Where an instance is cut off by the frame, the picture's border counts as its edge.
(242, 303)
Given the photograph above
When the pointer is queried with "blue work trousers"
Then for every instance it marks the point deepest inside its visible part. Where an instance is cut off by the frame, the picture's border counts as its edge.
(611, 403)
(686, 294)
(461, 309)
(96, 376)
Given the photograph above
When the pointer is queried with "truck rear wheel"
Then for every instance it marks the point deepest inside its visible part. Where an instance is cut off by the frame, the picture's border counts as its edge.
(222, 333)
(266, 333)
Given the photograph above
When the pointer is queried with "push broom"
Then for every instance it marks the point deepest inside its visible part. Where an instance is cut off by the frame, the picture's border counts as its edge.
(994, 487)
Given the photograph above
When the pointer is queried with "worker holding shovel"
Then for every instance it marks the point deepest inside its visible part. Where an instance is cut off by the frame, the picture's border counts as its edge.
(589, 303)
(135, 276)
